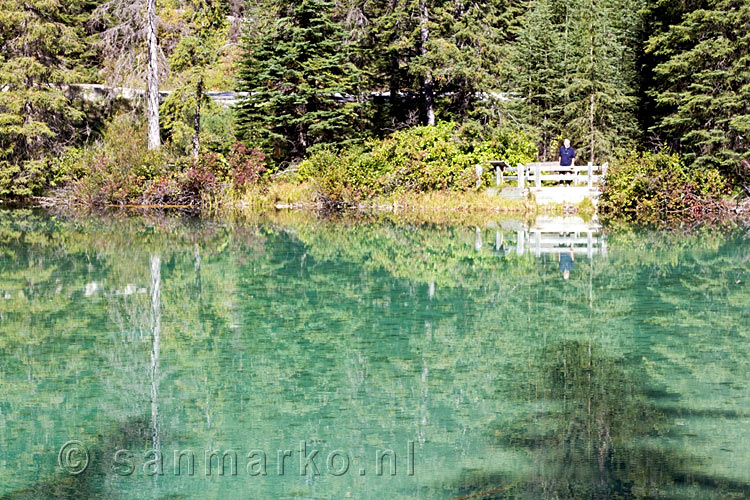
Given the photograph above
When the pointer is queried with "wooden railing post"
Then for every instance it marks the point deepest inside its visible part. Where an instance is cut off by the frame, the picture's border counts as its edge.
(498, 175)
(538, 173)
(521, 169)
(591, 179)
(478, 171)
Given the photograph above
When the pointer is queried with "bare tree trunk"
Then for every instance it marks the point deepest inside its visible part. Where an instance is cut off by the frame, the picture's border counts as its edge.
(429, 97)
(155, 349)
(393, 87)
(197, 118)
(393, 82)
(567, 25)
(546, 132)
(591, 96)
(154, 141)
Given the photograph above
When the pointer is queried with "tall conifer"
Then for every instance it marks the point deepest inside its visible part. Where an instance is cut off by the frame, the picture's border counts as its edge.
(575, 74)
(601, 87)
(538, 75)
(702, 84)
(296, 69)
(41, 46)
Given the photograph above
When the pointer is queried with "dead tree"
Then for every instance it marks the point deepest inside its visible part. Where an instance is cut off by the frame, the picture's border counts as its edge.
(126, 27)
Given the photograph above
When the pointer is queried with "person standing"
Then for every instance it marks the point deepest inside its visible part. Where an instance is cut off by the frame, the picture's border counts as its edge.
(567, 155)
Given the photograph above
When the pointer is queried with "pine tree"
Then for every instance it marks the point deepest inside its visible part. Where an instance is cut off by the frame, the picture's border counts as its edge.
(601, 91)
(388, 45)
(196, 51)
(42, 44)
(658, 16)
(538, 75)
(296, 69)
(575, 73)
(467, 55)
(450, 54)
(702, 84)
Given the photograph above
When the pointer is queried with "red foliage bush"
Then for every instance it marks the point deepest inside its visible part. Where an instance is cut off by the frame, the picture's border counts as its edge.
(163, 191)
(208, 175)
(247, 165)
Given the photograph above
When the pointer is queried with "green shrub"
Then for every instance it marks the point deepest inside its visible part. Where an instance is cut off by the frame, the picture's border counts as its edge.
(115, 170)
(218, 129)
(217, 132)
(419, 159)
(72, 165)
(657, 187)
(18, 181)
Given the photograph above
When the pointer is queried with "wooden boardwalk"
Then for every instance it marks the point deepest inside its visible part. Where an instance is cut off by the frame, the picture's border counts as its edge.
(549, 182)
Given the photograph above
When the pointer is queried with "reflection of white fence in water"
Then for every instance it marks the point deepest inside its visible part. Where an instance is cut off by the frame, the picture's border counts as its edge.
(546, 236)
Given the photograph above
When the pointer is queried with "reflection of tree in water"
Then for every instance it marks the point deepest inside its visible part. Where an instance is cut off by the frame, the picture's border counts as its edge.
(596, 437)
(334, 293)
(133, 434)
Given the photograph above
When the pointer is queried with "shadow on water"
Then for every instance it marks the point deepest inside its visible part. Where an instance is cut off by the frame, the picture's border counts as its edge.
(598, 435)
(91, 484)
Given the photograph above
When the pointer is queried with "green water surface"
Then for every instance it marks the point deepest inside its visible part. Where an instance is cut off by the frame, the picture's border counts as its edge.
(468, 362)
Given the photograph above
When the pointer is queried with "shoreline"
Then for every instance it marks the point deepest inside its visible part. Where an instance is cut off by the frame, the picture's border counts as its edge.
(444, 207)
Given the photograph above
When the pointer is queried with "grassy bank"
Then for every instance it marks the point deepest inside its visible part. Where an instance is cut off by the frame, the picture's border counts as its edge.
(434, 206)
(466, 207)
(421, 174)
(419, 170)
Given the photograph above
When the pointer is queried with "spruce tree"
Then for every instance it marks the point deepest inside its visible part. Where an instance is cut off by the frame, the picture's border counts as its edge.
(389, 45)
(466, 53)
(575, 74)
(702, 84)
(296, 70)
(538, 75)
(601, 85)
(450, 54)
(41, 44)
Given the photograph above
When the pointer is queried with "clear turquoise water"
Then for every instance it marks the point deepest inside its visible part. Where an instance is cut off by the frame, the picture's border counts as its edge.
(485, 372)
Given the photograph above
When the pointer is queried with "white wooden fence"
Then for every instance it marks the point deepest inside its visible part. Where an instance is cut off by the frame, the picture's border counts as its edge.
(539, 172)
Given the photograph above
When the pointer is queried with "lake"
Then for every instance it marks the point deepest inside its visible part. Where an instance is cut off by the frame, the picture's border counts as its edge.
(301, 357)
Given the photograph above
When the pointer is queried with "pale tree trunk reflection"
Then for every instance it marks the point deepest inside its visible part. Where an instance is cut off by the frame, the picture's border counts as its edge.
(155, 350)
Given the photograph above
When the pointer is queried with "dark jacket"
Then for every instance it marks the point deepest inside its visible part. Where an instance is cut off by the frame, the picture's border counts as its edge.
(566, 156)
